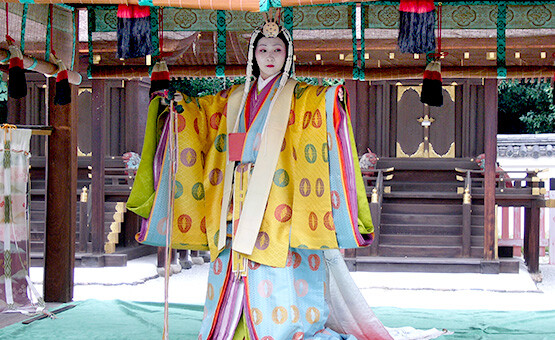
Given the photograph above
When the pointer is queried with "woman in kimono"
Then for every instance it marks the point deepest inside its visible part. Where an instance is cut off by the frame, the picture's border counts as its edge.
(268, 181)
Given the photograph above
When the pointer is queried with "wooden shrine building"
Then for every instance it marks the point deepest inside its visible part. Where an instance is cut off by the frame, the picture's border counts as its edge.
(434, 205)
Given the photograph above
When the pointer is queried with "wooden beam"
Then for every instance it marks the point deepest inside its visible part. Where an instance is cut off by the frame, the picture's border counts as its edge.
(98, 131)
(490, 150)
(61, 198)
(43, 67)
(338, 72)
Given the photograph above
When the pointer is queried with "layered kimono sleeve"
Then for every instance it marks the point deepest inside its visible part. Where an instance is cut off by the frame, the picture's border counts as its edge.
(142, 194)
(351, 211)
(198, 136)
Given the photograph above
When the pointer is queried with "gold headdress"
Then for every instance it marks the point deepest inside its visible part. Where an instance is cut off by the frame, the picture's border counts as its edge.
(270, 29)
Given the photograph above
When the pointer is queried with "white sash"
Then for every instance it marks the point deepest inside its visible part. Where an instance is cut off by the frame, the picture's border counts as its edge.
(260, 183)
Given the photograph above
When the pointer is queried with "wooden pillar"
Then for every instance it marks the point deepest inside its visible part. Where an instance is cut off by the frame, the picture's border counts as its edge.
(532, 238)
(61, 198)
(98, 126)
(490, 150)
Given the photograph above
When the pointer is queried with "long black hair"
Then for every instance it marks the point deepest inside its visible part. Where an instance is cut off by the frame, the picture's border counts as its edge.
(255, 68)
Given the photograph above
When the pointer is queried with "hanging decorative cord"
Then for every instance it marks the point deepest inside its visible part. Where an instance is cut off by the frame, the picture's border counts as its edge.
(221, 43)
(288, 19)
(355, 43)
(91, 25)
(156, 17)
(501, 40)
(439, 53)
(75, 32)
(161, 25)
(23, 27)
(48, 48)
(362, 44)
(9, 39)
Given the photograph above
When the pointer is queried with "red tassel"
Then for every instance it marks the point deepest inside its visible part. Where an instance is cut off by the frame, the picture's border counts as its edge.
(416, 26)
(160, 77)
(133, 31)
(17, 84)
(432, 92)
(63, 90)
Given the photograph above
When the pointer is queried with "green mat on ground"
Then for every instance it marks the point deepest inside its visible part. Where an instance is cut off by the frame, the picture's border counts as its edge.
(115, 319)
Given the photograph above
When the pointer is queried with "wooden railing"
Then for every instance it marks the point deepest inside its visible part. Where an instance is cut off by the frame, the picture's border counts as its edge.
(510, 191)
(375, 188)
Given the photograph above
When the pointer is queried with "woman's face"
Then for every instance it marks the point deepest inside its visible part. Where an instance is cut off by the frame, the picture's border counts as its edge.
(270, 56)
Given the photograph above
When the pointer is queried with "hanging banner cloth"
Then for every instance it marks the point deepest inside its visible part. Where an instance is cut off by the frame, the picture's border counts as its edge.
(236, 5)
(14, 231)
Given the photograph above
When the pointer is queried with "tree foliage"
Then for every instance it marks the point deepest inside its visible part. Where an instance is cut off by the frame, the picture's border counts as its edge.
(525, 107)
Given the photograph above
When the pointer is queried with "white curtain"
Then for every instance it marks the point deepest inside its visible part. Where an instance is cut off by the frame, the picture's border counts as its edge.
(14, 230)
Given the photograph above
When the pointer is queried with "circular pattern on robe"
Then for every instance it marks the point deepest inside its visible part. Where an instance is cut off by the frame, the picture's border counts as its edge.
(310, 153)
(314, 262)
(304, 187)
(312, 315)
(294, 153)
(320, 188)
(293, 259)
(291, 118)
(218, 266)
(188, 157)
(279, 315)
(256, 316)
(254, 265)
(283, 213)
(312, 221)
(215, 120)
(210, 292)
(178, 190)
(198, 191)
(325, 152)
(281, 178)
(265, 288)
(328, 221)
(317, 119)
(335, 200)
(307, 119)
(262, 241)
(184, 223)
(195, 125)
(181, 123)
(220, 143)
(283, 145)
(216, 176)
(161, 226)
(301, 287)
(295, 314)
(203, 225)
(298, 336)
